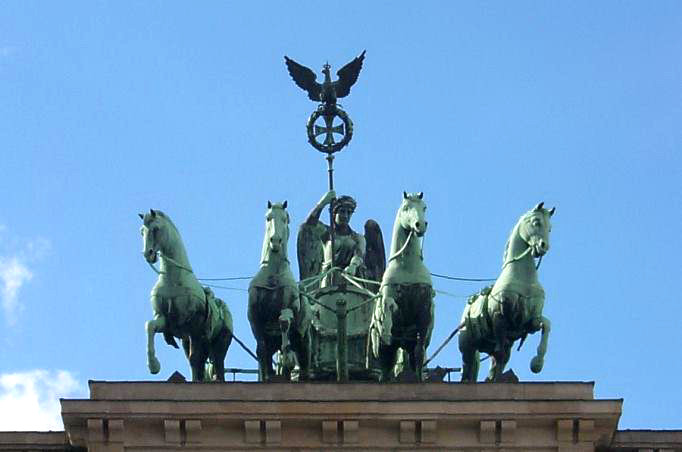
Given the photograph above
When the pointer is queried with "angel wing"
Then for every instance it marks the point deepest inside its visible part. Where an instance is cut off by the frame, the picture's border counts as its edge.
(348, 75)
(305, 78)
(309, 248)
(375, 254)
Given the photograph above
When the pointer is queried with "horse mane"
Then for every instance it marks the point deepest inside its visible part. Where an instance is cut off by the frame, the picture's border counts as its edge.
(168, 219)
(396, 226)
(508, 244)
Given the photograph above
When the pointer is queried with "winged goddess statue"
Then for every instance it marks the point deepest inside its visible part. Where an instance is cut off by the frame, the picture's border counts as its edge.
(326, 92)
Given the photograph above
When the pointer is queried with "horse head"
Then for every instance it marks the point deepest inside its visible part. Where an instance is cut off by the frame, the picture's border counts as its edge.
(276, 228)
(412, 213)
(534, 229)
(154, 232)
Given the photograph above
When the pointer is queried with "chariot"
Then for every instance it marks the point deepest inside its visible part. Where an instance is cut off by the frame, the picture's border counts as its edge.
(340, 334)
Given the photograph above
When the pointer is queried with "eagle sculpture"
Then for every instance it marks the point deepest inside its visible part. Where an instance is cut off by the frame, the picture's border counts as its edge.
(326, 92)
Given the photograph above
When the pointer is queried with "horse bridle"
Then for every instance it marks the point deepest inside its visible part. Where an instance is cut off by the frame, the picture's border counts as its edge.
(172, 261)
(522, 255)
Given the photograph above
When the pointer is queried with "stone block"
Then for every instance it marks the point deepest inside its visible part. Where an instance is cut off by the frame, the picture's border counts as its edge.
(487, 432)
(350, 432)
(171, 428)
(116, 433)
(428, 429)
(586, 430)
(564, 430)
(252, 432)
(508, 431)
(408, 431)
(330, 432)
(95, 430)
(193, 430)
(273, 432)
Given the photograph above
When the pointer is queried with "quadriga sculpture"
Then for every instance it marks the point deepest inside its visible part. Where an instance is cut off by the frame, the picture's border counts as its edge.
(280, 321)
(182, 308)
(403, 317)
(512, 307)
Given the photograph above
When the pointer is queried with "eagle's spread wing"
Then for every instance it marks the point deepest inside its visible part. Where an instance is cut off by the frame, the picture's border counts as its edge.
(305, 78)
(348, 75)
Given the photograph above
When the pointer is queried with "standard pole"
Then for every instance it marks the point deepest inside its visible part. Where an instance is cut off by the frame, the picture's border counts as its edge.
(341, 345)
(330, 170)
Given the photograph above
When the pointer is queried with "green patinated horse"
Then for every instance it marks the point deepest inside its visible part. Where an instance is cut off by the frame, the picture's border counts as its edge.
(403, 316)
(182, 308)
(280, 321)
(512, 307)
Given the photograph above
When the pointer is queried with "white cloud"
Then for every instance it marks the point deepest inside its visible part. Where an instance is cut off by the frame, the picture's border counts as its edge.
(15, 257)
(30, 400)
(6, 51)
(13, 275)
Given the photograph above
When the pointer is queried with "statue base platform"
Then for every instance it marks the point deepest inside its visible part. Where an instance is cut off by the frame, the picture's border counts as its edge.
(330, 416)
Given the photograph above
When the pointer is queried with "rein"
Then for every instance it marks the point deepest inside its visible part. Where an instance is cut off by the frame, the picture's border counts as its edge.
(402, 250)
(521, 256)
(172, 261)
(517, 258)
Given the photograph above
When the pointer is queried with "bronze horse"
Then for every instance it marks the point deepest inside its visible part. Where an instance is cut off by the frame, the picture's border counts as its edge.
(512, 308)
(182, 308)
(280, 321)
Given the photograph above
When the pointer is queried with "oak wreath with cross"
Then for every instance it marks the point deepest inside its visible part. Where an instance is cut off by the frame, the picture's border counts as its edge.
(329, 113)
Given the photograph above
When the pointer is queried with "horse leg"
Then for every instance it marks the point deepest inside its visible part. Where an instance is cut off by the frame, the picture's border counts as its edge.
(219, 347)
(306, 355)
(272, 346)
(417, 357)
(198, 354)
(261, 352)
(301, 346)
(299, 335)
(185, 346)
(538, 361)
(387, 359)
(499, 361)
(475, 366)
(157, 325)
(424, 328)
(493, 374)
(285, 348)
(469, 358)
(258, 329)
(499, 330)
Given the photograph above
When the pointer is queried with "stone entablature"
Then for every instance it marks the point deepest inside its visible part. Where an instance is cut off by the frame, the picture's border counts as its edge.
(647, 441)
(151, 416)
(35, 442)
(326, 416)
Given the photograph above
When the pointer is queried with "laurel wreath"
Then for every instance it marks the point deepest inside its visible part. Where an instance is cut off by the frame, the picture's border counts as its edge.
(330, 149)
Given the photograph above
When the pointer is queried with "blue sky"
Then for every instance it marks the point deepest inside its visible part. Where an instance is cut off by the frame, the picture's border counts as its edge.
(110, 108)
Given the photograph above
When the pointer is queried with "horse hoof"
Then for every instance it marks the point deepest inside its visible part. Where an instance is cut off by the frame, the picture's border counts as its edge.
(154, 366)
(536, 364)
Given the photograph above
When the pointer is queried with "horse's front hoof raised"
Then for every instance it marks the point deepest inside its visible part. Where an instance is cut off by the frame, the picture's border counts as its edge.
(154, 365)
(536, 364)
